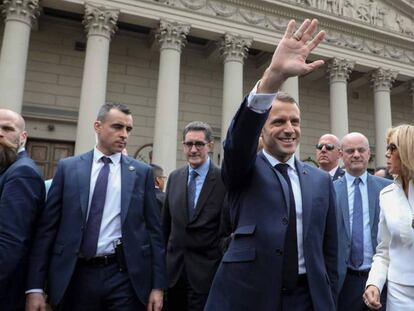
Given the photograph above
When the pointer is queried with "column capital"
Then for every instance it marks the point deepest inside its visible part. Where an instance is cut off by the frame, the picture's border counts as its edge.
(339, 69)
(234, 47)
(382, 79)
(100, 21)
(172, 35)
(25, 11)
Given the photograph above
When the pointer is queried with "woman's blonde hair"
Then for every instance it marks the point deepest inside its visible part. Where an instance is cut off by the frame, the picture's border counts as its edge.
(403, 137)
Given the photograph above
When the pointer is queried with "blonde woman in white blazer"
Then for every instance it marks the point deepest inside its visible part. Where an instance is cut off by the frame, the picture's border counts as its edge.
(394, 258)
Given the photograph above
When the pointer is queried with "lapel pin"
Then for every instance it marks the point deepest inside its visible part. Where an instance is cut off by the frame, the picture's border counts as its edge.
(131, 168)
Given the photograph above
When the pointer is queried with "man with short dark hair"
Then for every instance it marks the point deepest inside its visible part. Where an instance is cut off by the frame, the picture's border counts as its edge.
(357, 197)
(22, 195)
(328, 154)
(99, 241)
(159, 182)
(192, 222)
(283, 255)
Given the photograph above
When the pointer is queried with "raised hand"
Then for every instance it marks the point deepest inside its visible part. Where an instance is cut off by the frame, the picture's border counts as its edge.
(289, 58)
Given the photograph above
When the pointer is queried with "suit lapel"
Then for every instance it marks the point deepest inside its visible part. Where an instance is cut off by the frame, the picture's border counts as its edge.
(206, 189)
(128, 176)
(344, 205)
(83, 170)
(181, 192)
(306, 182)
(282, 181)
(372, 200)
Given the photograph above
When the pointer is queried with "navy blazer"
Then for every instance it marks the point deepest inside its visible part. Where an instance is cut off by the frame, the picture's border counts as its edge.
(374, 186)
(60, 230)
(22, 195)
(250, 274)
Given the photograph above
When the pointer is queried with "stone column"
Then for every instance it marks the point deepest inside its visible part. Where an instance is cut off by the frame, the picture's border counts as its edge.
(339, 71)
(234, 49)
(19, 18)
(100, 25)
(382, 80)
(172, 38)
(291, 86)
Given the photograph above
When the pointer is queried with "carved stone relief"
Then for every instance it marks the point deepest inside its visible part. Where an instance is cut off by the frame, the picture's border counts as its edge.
(372, 12)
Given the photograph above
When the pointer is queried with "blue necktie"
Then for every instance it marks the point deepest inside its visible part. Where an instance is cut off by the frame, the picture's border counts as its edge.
(357, 244)
(93, 225)
(191, 193)
(290, 269)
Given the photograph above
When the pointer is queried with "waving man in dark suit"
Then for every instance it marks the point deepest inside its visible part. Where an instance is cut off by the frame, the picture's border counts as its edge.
(283, 255)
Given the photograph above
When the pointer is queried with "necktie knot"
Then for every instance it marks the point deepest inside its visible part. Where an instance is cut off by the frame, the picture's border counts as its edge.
(106, 160)
(357, 181)
(282, 168)
(193, 174)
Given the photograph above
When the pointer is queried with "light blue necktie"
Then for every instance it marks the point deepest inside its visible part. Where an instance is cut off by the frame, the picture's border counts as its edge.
(357, 244)
(191, 193)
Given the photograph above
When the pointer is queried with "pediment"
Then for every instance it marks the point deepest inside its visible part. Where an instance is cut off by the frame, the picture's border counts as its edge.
(394, 15)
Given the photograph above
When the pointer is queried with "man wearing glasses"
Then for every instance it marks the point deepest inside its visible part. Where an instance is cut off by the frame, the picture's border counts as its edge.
(328, 153)
(193, 222)
(357, 199)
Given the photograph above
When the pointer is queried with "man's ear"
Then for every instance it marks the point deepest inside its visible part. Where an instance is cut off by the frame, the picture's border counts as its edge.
(23, 139)
(97, 126)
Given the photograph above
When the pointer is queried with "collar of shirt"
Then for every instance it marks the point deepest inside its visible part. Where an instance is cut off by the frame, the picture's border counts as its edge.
(202, 170)
(333, 171)
(97, 155)
(350, 179)
(21, 148)
(273, 161)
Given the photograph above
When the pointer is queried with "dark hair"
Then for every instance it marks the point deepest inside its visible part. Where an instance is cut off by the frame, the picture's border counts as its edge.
(103, 111)
(157, 170)
(199, 126)
(285, 98)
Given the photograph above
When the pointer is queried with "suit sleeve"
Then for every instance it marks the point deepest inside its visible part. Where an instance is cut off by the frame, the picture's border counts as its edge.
(152, 220)
(240, 146)
(166, 216)
(46, 232)
(381, 261)
(21, 201)
(330, 244)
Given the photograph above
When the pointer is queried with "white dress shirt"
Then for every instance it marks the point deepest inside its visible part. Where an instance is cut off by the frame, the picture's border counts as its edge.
(111, 218)
(294, 180)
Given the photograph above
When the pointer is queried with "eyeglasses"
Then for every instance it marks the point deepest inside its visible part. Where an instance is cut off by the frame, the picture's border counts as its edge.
(198, 144)
(328, 147)
(391, 147)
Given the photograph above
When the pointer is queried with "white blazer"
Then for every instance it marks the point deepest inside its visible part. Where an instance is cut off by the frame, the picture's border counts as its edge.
(395, 250)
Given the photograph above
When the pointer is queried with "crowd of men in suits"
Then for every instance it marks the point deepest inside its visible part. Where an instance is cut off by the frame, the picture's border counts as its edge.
(264, 232)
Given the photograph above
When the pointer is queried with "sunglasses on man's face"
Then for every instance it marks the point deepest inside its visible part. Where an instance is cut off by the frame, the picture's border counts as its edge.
(328, 147)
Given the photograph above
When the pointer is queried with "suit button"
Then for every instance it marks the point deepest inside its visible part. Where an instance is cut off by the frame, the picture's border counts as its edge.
(285, 221)
(279, 252)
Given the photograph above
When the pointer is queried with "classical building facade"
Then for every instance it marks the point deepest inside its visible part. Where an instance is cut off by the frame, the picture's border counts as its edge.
(176, 61)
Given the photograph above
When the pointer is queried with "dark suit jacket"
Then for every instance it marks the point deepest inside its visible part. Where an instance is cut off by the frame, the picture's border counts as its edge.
(194, 243)
(338, 174)
(160, 196)
(374, 185)
(22, 195)
(250, 274)
(60, 231)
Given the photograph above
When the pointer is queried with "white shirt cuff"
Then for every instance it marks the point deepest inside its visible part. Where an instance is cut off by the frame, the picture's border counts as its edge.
(34, 290)
(259, 103)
